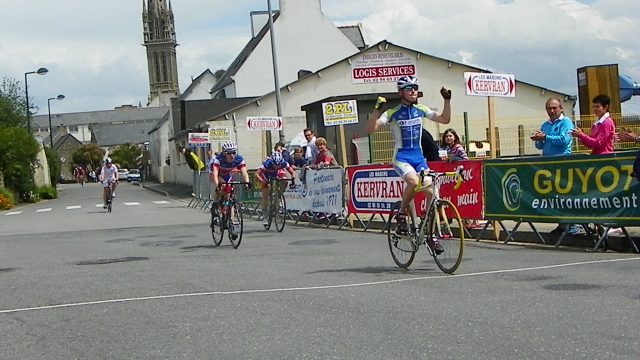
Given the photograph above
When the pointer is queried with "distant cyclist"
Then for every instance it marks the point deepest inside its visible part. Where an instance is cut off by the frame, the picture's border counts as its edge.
(273, 167)
(223, 166)
(406, 121)
(108, 175)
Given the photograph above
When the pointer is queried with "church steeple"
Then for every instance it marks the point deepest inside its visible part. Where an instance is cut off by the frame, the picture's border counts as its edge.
(160, 41)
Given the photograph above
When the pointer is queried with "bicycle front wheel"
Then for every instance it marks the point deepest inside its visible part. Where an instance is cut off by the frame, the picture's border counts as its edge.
(235, 225)
(280, 212)
(217, 229)
(401, 246)
(446, 227)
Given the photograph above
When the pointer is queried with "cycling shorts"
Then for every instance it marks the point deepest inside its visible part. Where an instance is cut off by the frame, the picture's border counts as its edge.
(408, 162)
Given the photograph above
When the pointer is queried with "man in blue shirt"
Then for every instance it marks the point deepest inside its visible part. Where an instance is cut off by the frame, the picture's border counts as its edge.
(554, 136)
(554, 139)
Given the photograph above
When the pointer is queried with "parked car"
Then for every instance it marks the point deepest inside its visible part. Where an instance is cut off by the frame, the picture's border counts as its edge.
(122, 174)
(134, 175)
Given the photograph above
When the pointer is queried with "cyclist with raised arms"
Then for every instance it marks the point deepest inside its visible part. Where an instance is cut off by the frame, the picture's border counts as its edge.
(273, 167)
(223, 166)
(406, 121)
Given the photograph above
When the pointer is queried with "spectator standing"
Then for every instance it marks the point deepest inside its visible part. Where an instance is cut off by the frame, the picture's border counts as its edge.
(192, 159)
(450, 142)
(324, 157)
(298, 158)
(600, 140)
(554, 139)
(429, 146)
(310, 150)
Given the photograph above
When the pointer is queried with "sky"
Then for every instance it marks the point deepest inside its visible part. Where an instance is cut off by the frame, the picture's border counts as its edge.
(95, 58)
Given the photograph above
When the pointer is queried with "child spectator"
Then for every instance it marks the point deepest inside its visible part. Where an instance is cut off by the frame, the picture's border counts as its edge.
(298, 158)
(451, 143)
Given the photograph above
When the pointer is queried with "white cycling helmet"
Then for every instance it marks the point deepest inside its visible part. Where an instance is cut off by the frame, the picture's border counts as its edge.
(407, 80)
(277, 158)
(229, 146)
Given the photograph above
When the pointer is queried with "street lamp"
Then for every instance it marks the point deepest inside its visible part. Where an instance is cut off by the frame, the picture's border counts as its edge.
(59, 97)
(40, 71)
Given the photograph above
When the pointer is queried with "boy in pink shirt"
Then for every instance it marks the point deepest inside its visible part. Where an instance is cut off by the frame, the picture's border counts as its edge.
(600, 141)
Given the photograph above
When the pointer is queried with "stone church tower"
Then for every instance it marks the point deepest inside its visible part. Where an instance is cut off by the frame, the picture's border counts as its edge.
(160, 41)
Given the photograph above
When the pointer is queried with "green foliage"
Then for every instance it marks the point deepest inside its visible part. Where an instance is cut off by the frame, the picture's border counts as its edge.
(19, 150)
(55, 165)
(6, 199)
(127, 156)
(48, 192)
(88, 154)
(12, 104)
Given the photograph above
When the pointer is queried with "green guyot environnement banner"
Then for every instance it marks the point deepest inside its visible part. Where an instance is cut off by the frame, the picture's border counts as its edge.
(569, 189)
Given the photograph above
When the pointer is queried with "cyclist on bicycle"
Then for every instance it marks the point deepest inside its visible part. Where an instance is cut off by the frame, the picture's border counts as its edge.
(273, 167)
(223, 166)
(108, 175)
(406, 121)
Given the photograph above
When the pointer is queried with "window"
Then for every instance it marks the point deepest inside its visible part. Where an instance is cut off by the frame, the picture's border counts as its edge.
(73, 128)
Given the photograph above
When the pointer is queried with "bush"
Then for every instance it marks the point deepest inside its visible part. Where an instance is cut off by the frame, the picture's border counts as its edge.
(29, 196)
(6, 199)
(48, 192)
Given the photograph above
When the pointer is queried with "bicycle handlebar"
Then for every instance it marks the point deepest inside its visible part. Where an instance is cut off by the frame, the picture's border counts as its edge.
(457, 174)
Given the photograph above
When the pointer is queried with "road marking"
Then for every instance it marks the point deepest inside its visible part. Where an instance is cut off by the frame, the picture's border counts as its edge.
(162, 202)
(132, 203)
(43, 210)
(13, 213)
(309, 288)
(73, 207)
(99, 205)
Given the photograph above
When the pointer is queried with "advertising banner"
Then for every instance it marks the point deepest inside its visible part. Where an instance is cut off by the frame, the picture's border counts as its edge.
(219, 135)
(198, 139)
(375, 188)
(259, 123)
(321, 193)
(487, 84)
(382, 67)
(570, 189)
(340, 112)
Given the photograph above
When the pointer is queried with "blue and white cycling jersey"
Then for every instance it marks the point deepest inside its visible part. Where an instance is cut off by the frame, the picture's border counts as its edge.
(226, 168)
(406, 124)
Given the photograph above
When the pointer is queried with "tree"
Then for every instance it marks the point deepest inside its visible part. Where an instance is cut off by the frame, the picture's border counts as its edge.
(12, 104)
(88, 154)
(218, 74)
(127, 156)
(53, 159)
(19, 151)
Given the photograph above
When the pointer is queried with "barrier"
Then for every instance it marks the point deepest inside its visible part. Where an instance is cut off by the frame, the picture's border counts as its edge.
(373, 189)
(576, 189)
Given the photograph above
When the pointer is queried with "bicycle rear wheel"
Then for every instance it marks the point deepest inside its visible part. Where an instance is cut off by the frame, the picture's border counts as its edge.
(217, 229)
(235, 224)
(402, 248)
(447, 227)
(280, 212)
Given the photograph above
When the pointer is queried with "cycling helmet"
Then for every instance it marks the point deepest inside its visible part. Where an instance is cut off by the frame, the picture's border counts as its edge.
(108, 161)
(229, 146)
(277, 158)
(407, 80)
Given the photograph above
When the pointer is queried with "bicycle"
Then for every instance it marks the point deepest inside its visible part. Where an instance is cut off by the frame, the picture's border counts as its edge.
(277, 211)
(440, 222)
(228, 216)
(109, 196)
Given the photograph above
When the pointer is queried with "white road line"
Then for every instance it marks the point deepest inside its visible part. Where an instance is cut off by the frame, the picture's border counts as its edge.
(308, 288)
(73, 207)
(43, 210)
(132, 203)
(162, 202)
(13, 213)
(99, 205)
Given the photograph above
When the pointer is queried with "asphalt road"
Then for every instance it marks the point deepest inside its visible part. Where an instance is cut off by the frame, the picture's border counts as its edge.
(145, 282)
